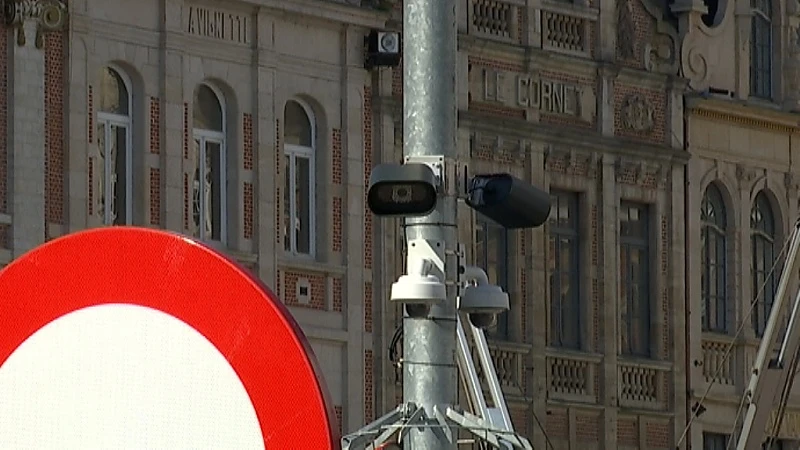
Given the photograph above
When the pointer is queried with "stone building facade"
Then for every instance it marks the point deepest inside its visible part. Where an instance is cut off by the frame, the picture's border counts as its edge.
(221, 120)
(591, 354)
(237, 122)
(740, 59)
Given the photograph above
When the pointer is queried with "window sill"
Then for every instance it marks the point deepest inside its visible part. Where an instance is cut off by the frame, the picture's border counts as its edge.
(644, 362)
(564, 353)
(309, 263)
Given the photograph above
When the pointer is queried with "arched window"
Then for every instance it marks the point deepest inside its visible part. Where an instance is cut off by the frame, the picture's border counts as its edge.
(761, 49)
(714, 250)
(299, 193)
(209, 180)
(762, 229)
(113, 178)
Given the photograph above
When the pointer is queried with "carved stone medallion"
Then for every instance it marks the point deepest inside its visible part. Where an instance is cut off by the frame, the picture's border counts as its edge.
(637, 113)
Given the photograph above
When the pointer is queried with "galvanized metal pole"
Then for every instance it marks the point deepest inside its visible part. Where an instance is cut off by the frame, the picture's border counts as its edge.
(430, 374)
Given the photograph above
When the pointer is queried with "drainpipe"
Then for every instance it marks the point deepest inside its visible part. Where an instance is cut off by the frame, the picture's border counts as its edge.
(687, 290)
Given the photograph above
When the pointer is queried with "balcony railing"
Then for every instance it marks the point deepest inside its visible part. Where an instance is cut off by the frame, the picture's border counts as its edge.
(573, 376)
(564, 27)
(495, 19)
(719, 364)
(509, 363)
(643, 384)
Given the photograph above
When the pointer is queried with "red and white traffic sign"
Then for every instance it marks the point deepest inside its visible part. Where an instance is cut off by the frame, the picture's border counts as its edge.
(134, 338)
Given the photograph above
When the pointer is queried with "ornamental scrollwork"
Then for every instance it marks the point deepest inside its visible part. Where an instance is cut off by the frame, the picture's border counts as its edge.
(49, 15)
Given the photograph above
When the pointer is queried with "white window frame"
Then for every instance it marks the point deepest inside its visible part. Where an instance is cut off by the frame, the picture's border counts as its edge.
(217, 137)
(120, 121)
(293, 151)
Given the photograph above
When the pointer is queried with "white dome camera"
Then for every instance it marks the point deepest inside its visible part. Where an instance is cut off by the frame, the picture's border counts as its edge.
(481, 300)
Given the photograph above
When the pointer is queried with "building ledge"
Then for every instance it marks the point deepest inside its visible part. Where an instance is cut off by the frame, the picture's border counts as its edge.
(742, 113)
(329, 10)
(569, 136)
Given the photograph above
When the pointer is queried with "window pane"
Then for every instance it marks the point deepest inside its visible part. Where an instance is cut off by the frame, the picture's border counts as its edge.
(99, 173)
(297, 128)
(207, 113)
(197, 192)
(565, 305)
(113, 93)
(215, 177)
(635, 279)
(287, 204)
(119, 198)
(303, 204)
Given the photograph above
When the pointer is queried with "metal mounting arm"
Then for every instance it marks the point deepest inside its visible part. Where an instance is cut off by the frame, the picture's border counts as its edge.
(769, 373)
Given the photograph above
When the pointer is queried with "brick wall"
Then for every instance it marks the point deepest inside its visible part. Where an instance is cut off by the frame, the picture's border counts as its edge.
(557, 424)
(249, 210)
(369, 391)
(54, 85)
(587, 428)
(338, 295)
(155, 196)
(627, 432)
(155, 125)
(368, 158)
(657, 435)
(247, 150)
(155, 172)
(368, 307)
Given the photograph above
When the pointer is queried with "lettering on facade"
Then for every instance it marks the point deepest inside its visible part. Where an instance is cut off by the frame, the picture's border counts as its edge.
(224, 26)
(527, 91)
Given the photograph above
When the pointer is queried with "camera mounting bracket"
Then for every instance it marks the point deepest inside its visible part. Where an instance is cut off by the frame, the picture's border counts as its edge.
(437, 165)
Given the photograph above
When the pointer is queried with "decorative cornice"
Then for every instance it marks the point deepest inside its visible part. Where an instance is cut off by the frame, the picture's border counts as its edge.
(49, 15)
(743, 114)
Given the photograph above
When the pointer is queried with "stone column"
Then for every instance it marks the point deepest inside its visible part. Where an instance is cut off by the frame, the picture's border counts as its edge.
(30, 19)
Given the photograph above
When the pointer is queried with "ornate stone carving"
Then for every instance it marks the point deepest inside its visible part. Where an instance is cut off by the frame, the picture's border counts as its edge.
(744, 173)
(570, 162)
(660, 54)
(649, 175)
(626, 31)
(48, 15)
(637, 113)
(791, 183)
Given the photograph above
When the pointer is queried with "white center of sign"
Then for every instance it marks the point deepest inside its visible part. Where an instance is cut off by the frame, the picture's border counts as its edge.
(123, 377)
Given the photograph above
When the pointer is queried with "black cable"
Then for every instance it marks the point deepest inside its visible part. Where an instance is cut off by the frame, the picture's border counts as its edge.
(398, 334)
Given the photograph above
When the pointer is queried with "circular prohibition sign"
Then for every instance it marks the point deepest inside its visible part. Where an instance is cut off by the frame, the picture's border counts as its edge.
(195, 284)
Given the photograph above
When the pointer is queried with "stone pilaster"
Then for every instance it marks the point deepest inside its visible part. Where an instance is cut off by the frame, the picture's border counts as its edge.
(30, 19)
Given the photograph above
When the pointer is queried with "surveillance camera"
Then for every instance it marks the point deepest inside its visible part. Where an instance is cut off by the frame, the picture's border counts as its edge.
(481, 301)
(509, 201)
(483, 321)
(414, 288)
(402, 190)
